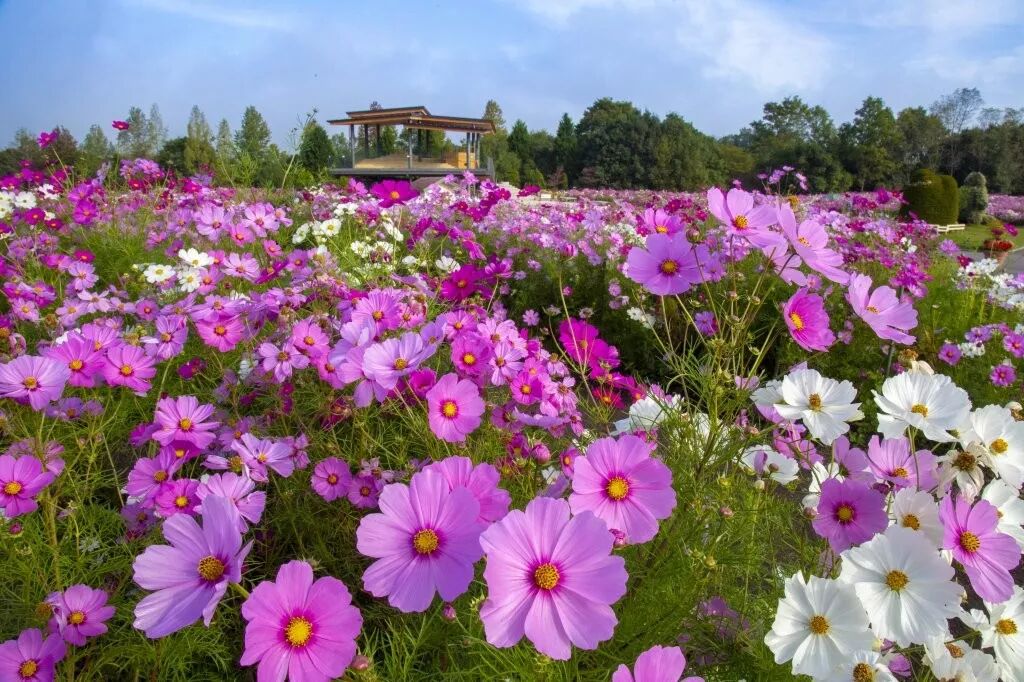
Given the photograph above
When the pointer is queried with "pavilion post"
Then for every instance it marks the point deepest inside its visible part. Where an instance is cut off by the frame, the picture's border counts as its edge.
(352, 144)
(366, 140)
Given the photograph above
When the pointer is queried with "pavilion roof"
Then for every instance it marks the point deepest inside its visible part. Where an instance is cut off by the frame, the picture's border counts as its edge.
(415, 117)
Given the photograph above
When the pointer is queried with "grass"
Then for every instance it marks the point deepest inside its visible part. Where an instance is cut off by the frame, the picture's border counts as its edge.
(973, 237)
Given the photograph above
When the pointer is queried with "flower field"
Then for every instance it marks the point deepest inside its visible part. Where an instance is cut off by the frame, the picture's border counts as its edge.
(467, 433)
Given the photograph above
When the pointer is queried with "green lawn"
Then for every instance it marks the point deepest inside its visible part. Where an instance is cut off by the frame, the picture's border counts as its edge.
(972, 237)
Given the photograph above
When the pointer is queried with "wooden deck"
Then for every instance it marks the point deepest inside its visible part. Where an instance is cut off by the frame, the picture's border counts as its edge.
(399, 166)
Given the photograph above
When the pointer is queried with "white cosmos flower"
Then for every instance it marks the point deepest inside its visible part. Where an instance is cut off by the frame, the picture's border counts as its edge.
(916, 510)
(195, 258)
(190, 280)
(931, 403)
(904, 585)
(647, 413)
(446, 264)
(819, 624)
(157, 273)
(1004, 632)
(824, 405)
(957, 661)
(964, 468)
(1010, 508)
(765, 461)
(860, 667)
(1002, 437)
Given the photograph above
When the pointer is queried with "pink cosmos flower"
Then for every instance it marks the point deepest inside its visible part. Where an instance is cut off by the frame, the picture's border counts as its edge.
(192, 573)
(281, 361)
(882, 310)
(32, 379)
(79, 612)
(810, 241)
(657, 664)
(660, 222)
(129, 366)
(807, 320)
(892, 461)
(222, 332)
(309, 339)
(737, 212)
(177, 497)
(21, 479)
(300, 628)
(551, 578)
(83, 361)
(454, 408)
(390, 360)
(426, 540)
(987, 555)
(666, 265)
(391, 192)
(184, 419)
(258, 454)
(120, 125)
(624, 486)
(30, 658)
(331, 478)
(364, 491)
(240, 491)
(481, 480)
(849, 513)
(150, 474)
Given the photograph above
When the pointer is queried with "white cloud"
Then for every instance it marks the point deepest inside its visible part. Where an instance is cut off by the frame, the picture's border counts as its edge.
(961, 68)
(560, 11)
(221, 13)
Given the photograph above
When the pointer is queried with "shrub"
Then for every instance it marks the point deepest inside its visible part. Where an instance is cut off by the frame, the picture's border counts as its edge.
(973, 198)
(932, 197)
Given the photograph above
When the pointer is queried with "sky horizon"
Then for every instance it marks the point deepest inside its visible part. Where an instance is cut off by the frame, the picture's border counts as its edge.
(77, 64)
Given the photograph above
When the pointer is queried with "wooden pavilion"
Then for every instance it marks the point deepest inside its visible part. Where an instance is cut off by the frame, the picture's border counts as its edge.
(416, 159)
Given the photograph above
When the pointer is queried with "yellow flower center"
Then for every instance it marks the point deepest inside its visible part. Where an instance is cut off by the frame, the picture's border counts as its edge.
(126, 370)
(525, 389)
(394, 195)
(211, 568)
(862, 672)
(803, 240)
(970, 542)
(819, 625)
(160, 476)
(76, 365)
(28, 668)
(965, 461)
(180, 501)
(12, 488)
(401, 363)
(845, 513)
(617, 488)
(910, 521)
(309, 340)
(668, 267)
(798, 322)
(425, 541)
(298, 631)
(899, 472)
(235, 464)
(660, 229)
(332, 479)
(896, 580)
(76, 617)
(740, 222)
(920, 409)
(1006, 627)
(469, 359)
(999, 446)
(546, 576)
(814, 401)
(220, 330)
(185, 424)
(31, 383)
(954, 650)
(872, 309)
(165, 337)
(449, 409)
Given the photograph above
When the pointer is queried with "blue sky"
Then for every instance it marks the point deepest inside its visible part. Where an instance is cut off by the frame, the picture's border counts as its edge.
(78, 62)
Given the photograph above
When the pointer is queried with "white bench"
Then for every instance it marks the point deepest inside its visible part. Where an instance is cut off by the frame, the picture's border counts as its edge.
(955, 227)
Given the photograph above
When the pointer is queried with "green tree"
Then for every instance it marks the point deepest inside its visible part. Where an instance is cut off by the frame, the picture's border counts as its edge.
(921, 136)
(870, 145)
(137, 141)
(684, 158)
(315, 148)
(95, 149)
(253, 136)
(199, 150)
(492, 112)
(225, 145)
(616, 145)
(565, 148)
(156, 131)
(172, 155)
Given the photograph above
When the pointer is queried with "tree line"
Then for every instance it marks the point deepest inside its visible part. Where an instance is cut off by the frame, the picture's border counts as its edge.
(614, 144)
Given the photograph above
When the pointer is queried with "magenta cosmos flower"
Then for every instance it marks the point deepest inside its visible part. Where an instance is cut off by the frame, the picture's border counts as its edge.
(426, 540)
(129, 366)
(849, 513)
(882, 310)
(737, 211)
(624, 486)
(238, 490)
(551, 578)
(331, 478)
(80, 612)
(810, 241)
(657, 664)
(454, 408)
(391, 192)
(34, 380)
(807, 321)
(21, 479)
(184, 419)
(666, 265)
(192, 573)
(260, 454)
(481, 480)
(30, 658)
(987, 555)
(300, 628)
